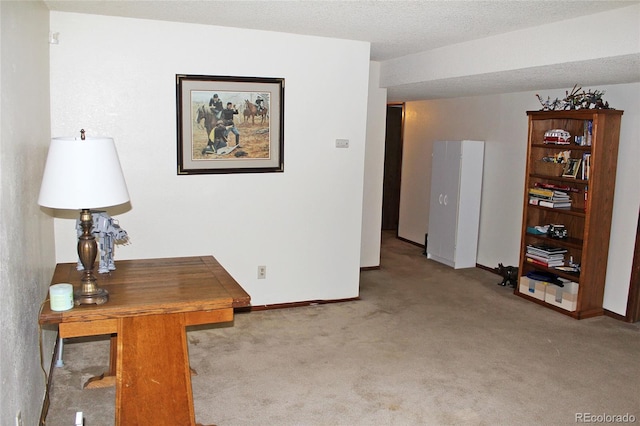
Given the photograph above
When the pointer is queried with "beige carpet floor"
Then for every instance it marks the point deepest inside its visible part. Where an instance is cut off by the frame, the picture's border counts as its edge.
(425, 345)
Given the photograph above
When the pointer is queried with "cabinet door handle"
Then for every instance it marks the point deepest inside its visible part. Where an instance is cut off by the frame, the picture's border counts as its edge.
(446, 200)
(440, 199)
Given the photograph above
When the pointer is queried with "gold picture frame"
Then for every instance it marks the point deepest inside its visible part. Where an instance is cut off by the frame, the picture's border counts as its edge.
(571, 168)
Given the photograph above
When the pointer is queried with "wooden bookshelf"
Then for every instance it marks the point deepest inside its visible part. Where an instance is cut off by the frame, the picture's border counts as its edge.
(588, 221)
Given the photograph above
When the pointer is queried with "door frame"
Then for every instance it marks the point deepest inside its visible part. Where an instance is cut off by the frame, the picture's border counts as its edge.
(633, 301)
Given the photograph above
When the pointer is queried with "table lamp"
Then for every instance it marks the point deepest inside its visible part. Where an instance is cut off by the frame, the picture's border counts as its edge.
(84, 173)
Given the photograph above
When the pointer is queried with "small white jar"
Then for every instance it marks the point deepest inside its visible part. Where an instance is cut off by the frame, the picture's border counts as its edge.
(61, 297)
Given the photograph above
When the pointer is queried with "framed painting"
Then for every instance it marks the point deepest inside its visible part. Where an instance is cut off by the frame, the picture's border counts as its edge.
(229, 124)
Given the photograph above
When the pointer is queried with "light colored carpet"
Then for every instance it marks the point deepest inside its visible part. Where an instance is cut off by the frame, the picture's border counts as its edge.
(425, 345)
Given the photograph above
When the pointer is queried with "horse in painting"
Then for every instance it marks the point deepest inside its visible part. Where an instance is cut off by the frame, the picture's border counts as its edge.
(210, 120)
(251, 110)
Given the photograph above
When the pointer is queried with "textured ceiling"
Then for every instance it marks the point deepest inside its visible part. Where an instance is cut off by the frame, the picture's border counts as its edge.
(394, 28)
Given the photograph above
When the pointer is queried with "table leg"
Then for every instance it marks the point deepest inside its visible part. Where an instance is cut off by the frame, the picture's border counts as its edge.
(153, 381)
(108, 378)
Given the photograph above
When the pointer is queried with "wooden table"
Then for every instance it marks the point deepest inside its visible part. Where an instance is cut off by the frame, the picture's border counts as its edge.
(151, 301)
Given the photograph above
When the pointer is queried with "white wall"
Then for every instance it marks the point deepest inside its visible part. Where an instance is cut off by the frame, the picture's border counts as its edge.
(26, 233)
(626, 204)
(115, 76)
(500, 120)
(374, 171)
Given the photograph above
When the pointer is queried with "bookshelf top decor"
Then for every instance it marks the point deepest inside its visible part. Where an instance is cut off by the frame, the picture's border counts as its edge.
(575, 100)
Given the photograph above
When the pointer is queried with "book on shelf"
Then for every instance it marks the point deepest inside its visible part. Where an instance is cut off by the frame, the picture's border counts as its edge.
(548, 194)
(547, 249)
(560, 195)
(535, 201)
(556, 187)
(568, 269)
(541, 192)
(555, 204)
(586, 197)
(547, 197)
(550, 248)
(546, 264)
(587, 132)
(545, 258)
(545, 254)
(586, 166)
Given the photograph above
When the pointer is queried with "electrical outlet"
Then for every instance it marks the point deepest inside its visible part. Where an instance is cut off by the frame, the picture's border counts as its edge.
(262, 272)
(19, 418)
(342, 143)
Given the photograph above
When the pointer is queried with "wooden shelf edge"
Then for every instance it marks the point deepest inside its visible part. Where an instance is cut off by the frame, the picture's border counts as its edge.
(586, 148)
(573, 114)
(571, 211)
(567, 275)
(567, 242)
(559, 178)
(595, 312)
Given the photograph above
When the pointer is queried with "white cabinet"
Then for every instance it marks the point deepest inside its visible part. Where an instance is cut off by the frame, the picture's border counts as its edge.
(454, 211)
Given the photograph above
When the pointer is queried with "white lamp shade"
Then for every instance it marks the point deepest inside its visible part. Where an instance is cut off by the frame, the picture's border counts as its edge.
(82, 174)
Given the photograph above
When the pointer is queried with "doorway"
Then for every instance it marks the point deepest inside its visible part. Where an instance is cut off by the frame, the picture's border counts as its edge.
(392, 167)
